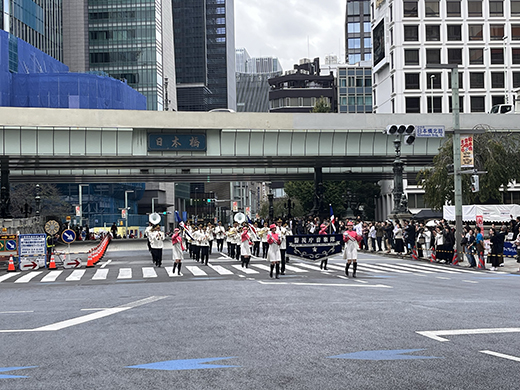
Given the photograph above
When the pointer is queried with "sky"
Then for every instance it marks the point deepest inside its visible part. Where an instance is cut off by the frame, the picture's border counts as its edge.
(291, 29)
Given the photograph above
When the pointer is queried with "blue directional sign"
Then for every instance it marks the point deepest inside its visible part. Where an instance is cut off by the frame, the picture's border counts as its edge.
(7, 369)
(429, 131)
(397, 354)
(184, 364)
(68, 236)
(10, 245)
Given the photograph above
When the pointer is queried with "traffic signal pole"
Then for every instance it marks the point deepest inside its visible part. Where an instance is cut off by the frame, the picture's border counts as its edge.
(457, 178)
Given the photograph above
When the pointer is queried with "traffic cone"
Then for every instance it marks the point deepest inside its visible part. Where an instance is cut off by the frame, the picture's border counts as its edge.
(52, 263)
(10, 267)
(90, 262)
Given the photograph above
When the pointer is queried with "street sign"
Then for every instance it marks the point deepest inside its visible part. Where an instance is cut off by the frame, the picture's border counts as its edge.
(430, 131)
(11, 245)
(72, 263)
(32, 244)
(52, 227)
(30, 265)
(68, 236)
(78, 211)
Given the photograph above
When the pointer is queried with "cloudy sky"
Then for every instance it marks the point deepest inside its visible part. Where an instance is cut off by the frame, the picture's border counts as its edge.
(290, 29)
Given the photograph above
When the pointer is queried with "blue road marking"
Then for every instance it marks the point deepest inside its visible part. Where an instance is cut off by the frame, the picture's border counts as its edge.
(184, 364)
(396, 354)
(6, 369)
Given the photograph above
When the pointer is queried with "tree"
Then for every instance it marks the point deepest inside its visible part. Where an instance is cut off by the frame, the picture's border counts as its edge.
(50, 200)
(496, 153)
(322, 105)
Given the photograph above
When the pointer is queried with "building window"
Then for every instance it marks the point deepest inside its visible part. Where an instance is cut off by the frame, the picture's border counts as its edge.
(474, 8)
(516, 56)
(392, 83)
(497, 79)
(516, 79)
(497, 56)
(437, 104)
(431, 8)
(433, 56)
(411, 33)
(515, 32)
(476, 56)
(477, 104)
(412, 80)
(435, 81)
(454, 32)
(413, 105)
(367, 43)
(353, 27)
(461, 86)
(455, 56)
(476, 80)
(391, 37)
(461, 104)
(453, 8)
(496, 31)
(496, 7)
(500, 99)
(368, 82)
(433, 32)
(354, 43)
(411, 56)
(475, 32)
(410, 9)
(515, 7)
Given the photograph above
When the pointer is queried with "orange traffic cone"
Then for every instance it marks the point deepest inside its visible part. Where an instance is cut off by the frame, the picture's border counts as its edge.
(52, 263)
(10, 267)
(90, 262)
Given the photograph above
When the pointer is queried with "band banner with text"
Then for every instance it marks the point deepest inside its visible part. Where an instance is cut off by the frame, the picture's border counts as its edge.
(315, 247)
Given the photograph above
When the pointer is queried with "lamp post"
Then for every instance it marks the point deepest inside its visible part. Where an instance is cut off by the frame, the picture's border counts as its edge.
(37, 199)
(431, 88)
(153, 204)
(81, 204)
(270, 197)
(350, 203)
(126, 213)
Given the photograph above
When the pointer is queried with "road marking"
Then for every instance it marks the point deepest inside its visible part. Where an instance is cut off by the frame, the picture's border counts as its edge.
(125, 273)
(469, 281)
(76, 275)
(101, 274)
(27, 278)
(295, 269)
(443, 278)
(375, 268)
(436, 268)
(17, 312)
(105, 263)
(149, 272)
(245, 270)
(416, 268)
(51, 276)
(196, 271)
(394, 268)
(262, 267)
(220, 270)
(328, 284)
(6, 276)
(502, 355)
(185, 364)
(435, 334)
(313, 267)
(89, 317)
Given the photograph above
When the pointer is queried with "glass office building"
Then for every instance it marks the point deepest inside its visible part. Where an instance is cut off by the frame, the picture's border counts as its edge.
(36, 22)
(133, 40)
(358, 32)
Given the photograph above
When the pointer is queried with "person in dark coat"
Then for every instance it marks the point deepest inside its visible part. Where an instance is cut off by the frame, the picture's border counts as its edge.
(497, 248)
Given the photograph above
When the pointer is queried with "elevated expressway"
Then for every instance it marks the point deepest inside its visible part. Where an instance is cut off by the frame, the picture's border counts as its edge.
(66, 145)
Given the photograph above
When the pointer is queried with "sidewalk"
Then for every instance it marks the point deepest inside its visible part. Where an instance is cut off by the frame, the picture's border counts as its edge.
(509, 266)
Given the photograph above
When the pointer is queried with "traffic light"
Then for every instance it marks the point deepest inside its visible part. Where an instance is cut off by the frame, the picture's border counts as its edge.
(474, 183)
(409, 137)
(390, 130)
(407, 130)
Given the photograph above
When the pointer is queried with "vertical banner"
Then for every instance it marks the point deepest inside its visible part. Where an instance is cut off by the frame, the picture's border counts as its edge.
(235, 207)
(248, 212)
(466, 151)
(480, 223)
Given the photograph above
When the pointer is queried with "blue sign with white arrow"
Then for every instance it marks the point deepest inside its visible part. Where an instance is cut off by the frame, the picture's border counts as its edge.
(68, 236)
(10, 245)
(396, 354)
(6, 369)
(184, 364)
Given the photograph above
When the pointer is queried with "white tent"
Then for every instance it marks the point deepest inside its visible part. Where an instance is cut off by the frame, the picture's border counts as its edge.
(490, 212)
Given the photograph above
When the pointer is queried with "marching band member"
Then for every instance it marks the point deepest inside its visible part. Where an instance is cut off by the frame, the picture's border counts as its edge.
(228, 241)
(177, 250)
(288, 232)
(282, 231)
(245, 247)
(156, 242)
(211, 237)
(352, 239)
(220, 233)
(323, 231)
(203, 245)
(236, 241)
(273, 254)
(256, 241)
(263, 236)
(195, 248)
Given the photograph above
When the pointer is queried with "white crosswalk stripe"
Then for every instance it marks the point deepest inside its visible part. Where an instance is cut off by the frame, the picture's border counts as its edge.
(51, 276)
(407, 268)
(394, 268)
(196, 271)
(149, 272)
(27, 277)
(294, 269)
(245, 270)
(221, 270)
(125, 273)
(261, 266)
(6, 276)
(101, 274)
(76, 275)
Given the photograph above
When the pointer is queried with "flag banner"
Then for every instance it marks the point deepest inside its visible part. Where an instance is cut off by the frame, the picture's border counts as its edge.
(316, 247)
(466, 151)
(332, 219)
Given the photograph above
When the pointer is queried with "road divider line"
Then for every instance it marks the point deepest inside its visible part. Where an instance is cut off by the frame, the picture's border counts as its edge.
(502, 355)
(436, 334)
(328, 284)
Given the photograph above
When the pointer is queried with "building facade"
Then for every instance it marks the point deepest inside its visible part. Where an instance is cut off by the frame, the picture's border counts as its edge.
(481, 37)
(204, 54)
(354, 85)
(37, 22)
(133, 40)
(358, 31)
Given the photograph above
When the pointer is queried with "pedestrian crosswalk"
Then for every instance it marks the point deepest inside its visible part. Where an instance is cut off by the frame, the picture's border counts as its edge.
(194, 270)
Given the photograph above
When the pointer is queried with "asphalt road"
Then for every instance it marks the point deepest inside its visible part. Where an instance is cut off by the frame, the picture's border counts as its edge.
(307, 330)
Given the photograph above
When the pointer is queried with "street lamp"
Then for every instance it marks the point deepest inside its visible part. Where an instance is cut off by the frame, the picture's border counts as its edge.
(270, 197)
(431, 87)
(81, 204)
(126, 212)
(350, 204)
(153, 204)
(37, 199)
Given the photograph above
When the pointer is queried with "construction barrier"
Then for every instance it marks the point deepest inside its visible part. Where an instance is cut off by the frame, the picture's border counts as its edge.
(455, 259)
(10, 267)
(52, 263)
(433, 258)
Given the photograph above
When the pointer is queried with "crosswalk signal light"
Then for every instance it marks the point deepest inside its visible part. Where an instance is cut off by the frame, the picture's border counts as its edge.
(474, 183)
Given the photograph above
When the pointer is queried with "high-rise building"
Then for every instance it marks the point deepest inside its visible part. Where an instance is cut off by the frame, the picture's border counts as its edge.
(242, 58)
(128, 39)
(358, 30)
(477, 36)
(355, 88)
(37, 22)
(204, 54)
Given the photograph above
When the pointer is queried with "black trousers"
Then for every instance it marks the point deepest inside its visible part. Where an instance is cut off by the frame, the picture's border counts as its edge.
(282, 254)
(204, 254)
(220, 244)
(256, 248)
(265, 249)
(196, 252)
